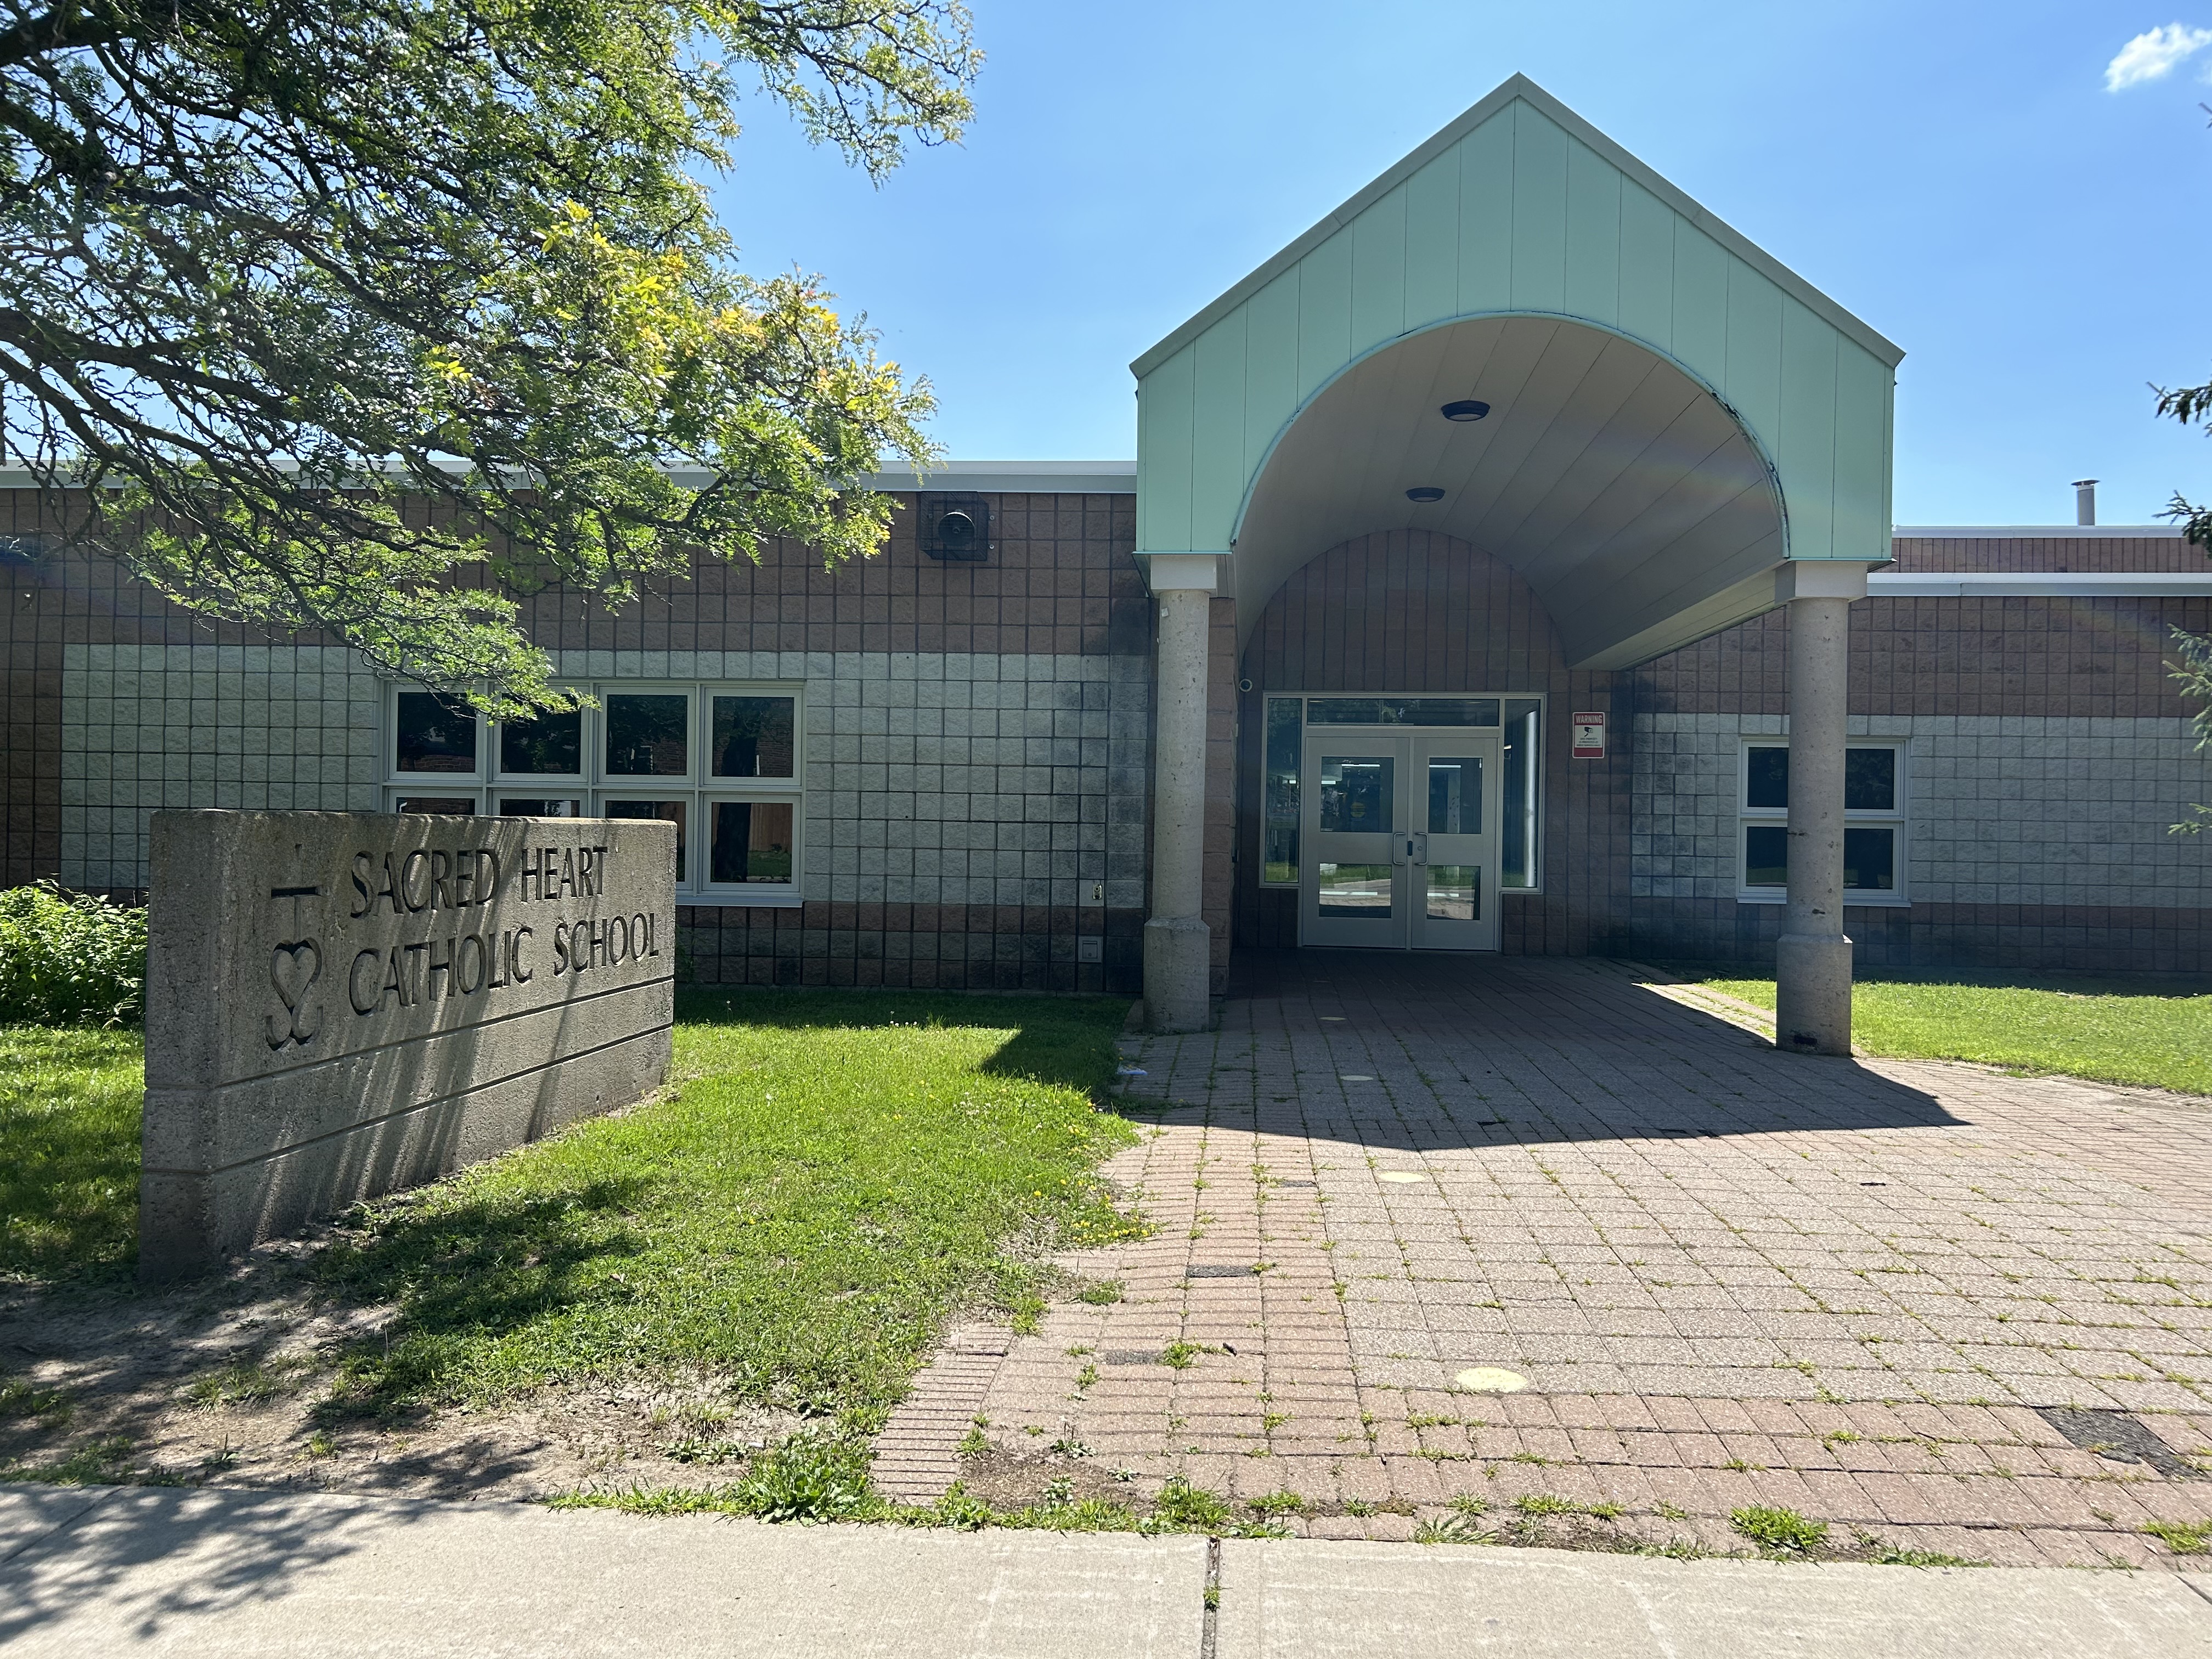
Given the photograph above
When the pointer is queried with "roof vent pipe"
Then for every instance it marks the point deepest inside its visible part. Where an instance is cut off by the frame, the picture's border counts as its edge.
(2085, 501)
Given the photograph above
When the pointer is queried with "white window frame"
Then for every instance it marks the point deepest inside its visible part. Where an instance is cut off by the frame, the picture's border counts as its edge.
(594, 787)
(1536, 839)
(1896, 819)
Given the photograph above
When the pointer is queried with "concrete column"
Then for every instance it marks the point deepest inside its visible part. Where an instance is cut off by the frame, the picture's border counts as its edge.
(1177, 943)
(1813, 959)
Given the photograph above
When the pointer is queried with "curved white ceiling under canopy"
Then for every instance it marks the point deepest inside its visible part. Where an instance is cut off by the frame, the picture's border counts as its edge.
(1604, 474)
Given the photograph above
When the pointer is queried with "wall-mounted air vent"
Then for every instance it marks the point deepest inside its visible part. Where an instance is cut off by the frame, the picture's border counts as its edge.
(956, 526)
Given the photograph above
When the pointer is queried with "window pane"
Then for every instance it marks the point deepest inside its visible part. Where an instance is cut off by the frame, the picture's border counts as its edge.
(1449, 711)
(1358, 891)
(753, 738)
(1356, 793)
(1517, 867)
(752, 841)
(435, 734)
(1765, 855)
(1278, 781)
(1345, 711)
(1456, 795)
(1401, 711)
(1767, 781)
(513, 806)
(452, 806)
(1869, 780)
(1870, 860)
(550, 743)
(673, 811)
(647, 736)
(1455, 892)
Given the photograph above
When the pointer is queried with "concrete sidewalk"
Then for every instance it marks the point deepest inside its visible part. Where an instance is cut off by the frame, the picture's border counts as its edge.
(103, 1570)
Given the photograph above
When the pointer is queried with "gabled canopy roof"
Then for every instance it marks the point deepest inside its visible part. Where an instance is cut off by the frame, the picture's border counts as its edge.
(1673, 412)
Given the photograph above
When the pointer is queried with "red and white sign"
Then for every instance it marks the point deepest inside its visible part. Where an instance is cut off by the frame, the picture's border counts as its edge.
(1589, 734)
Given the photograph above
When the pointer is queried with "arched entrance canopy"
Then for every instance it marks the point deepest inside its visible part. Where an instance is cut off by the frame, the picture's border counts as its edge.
(1674, 414)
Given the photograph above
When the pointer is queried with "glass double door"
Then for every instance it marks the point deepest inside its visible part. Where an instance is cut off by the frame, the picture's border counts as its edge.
(1400, 840)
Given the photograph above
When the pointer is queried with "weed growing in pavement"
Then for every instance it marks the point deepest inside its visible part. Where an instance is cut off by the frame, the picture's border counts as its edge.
(1270, 1505)
(1883, 1554)
(1452, 1529)
(1182, 1507)
(959, 1509)
(1779, 1532)
(973, 1444)
(1180, 1356)
(2183, 1537)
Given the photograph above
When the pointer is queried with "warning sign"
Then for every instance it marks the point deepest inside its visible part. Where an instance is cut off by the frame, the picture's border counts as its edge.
(1589, 734)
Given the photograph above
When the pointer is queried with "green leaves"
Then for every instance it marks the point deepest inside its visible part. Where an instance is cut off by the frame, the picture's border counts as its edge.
(390, 315)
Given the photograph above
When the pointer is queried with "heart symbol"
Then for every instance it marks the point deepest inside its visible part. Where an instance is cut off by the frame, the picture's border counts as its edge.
(293, 967)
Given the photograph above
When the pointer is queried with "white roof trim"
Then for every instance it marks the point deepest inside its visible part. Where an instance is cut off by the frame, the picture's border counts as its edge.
(2038, 583)
(2037, 533)
(1521, 87)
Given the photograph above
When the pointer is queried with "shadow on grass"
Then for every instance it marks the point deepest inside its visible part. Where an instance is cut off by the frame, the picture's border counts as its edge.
(804, 1249)
(464, 1270)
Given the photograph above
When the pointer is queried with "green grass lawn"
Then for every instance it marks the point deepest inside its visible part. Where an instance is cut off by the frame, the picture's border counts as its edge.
(68, 1151)
(834, 1174)
(2112, 1029)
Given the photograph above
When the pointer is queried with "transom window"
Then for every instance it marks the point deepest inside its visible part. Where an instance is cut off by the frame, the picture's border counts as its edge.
(721, 762)
(1874, 783)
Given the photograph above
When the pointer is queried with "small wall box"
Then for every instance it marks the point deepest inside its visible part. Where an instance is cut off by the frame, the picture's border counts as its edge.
(956, 528)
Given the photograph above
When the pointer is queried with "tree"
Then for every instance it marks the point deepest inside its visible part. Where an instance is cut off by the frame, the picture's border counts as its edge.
(2193, 672)
(376, 316)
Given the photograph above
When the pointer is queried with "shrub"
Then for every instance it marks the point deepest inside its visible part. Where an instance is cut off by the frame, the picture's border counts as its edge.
(69, 959)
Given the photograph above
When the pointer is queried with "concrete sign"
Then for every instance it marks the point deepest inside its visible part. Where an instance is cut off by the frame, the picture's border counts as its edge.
(341, 1004)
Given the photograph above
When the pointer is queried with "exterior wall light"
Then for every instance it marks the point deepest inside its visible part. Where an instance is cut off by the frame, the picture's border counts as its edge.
(1424, 492)
(1466, 409)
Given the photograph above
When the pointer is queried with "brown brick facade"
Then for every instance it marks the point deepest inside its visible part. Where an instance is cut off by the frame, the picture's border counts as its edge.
(1395, 611)
(1410, 611)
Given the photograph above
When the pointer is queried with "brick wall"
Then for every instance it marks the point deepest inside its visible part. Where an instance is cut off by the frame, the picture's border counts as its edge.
(978, 741)
(2050, 752)
(1411, 611)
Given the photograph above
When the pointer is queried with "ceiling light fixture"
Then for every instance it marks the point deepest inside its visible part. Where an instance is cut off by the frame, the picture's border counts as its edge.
(1424, 492)
(1466, 409)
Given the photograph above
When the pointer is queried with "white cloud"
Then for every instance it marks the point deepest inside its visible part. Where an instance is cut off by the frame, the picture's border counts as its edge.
(2152, 55)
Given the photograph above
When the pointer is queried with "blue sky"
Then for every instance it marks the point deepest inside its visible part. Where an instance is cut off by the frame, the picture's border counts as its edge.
(1984, 183)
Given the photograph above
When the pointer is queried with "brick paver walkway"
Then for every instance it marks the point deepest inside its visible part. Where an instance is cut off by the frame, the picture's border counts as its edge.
(1726, 1276)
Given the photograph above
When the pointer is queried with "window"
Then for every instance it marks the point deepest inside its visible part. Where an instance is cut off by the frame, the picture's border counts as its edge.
(720, 762)
(1874, 783)
(1517, 814)
(1279, 782)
